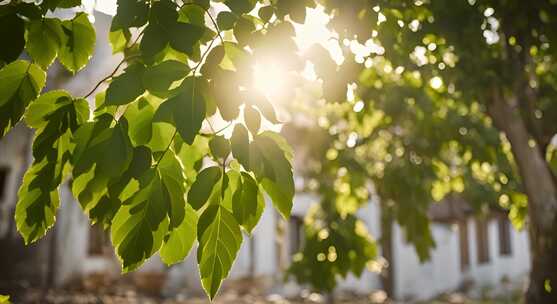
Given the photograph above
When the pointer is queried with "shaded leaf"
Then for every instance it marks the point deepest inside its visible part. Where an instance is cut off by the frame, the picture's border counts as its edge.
(127, 86)
(220, 147)
(247, 203)
(186, 110)
(12, 33)
(161, 76)
(240, 145)
(202, 188)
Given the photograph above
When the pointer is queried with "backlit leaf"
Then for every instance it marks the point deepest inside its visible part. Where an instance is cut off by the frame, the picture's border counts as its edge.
(219, 242)
(179, 241)
(20, 83)
(79, 43)
(44, 38)
(139, 227)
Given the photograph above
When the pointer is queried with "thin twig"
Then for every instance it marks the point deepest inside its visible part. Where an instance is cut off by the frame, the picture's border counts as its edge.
(105, 79)
(223, 128)
(167, 148)
(117, 67)
(210, 17)
(175, 129)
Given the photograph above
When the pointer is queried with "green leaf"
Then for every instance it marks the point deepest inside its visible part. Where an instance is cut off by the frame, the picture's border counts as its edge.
(266, 108)
(179, 241)
(139, 227)
(127, 86)
(193, 14)
(132, 13)
(214, 58)
(171, 171)
(152, 42)
(39, 113)
(265, 13)
(36, 207)
(38, 198)
(203, 3)
(162, 135)
(252, 119)
(220, 147)
(240, 6)
(140, 117)
(227, 94)
(109, 149)
(160, 77)
(44, 38)
(243, 29)
(53, 4)
(184, 36)
(79, 43)
(108, 200)
(186, 110)
(295, 8)
(240, 145)
(192, 156)
(20, 83)
(273, 168)
(219, 242)
(226, 20)
(12, 33)
(119, 40)
(102, 154)
(247, 203)
(202, 188)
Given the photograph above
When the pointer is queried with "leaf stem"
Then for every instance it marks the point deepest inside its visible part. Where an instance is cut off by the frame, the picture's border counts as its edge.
(210, 17)
(167, 148)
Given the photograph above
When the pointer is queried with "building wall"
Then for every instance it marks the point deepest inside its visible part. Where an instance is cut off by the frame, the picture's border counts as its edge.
(417, 281)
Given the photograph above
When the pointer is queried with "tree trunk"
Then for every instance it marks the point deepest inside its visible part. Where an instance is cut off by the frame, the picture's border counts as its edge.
(387, 277)
(541, 190)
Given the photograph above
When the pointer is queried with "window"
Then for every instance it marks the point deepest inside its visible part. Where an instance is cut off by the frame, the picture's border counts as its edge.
(4, 172)
(483, 241)
(296, 229)
(463, 239)
(504, 236)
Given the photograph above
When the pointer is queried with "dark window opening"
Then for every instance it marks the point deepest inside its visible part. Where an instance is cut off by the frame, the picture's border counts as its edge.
(4, 172)
(504, 236)
(296, 230)
(483, 241)
(463, 239)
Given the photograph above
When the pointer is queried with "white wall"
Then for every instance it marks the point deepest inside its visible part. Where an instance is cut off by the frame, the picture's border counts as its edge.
(417, 281)
(414, 280)
(514, 267)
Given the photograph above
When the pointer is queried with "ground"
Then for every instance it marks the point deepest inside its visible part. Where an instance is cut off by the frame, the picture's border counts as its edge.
(100, 289)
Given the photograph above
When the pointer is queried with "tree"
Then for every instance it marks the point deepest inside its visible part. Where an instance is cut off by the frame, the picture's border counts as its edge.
(141, 161)
(449, 98)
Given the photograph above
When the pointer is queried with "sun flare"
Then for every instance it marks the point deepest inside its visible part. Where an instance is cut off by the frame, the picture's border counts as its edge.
(269, 79)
